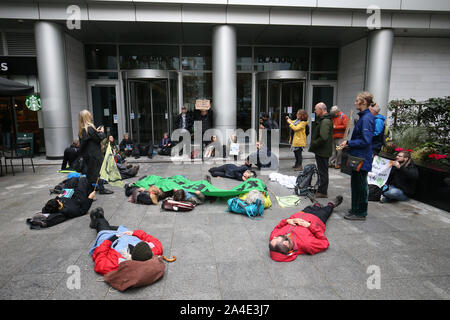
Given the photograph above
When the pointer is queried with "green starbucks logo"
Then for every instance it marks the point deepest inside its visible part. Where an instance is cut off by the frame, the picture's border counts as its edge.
(33, 102)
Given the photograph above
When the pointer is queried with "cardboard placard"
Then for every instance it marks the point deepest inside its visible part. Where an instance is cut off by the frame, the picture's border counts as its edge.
(202, 104)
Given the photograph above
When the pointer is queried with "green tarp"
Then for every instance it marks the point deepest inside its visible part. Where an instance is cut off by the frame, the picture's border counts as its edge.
(180, 182)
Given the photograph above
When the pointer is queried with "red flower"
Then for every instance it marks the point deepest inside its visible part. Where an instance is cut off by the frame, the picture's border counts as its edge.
(437, 156)
(399, 149)
(410, 150)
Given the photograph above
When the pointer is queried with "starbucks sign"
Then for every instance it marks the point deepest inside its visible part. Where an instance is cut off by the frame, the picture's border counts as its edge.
(33, 102)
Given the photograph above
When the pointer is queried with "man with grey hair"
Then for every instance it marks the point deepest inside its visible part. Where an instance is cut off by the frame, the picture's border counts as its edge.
(321, 145)
(339, 125)
(378, 134)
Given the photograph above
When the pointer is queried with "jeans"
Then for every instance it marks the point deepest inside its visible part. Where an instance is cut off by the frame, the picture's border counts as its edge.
(395, 194)
(298, 157)
(322, 167)
(360, 193)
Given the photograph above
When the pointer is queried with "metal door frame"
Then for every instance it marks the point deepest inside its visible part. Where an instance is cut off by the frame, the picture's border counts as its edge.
(119, 99)
(283, 76)
(148, 75)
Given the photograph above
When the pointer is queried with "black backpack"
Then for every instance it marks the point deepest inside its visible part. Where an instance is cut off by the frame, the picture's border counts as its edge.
(307, 129)
(305, 178)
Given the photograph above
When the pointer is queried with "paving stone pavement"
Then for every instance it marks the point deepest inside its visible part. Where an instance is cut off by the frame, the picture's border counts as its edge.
(221, 255)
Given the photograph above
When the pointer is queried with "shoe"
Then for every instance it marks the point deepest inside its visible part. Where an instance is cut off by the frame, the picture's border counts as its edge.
(208, 178)
(299, 168)
(337, 201)
(337, 167)
(320, 195)
(383, 199)
(105, 191)
(129, 165)
(136, 169)
(351, 216)
(95, 214)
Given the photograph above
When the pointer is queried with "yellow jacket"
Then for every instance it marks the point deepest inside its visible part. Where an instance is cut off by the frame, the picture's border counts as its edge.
(299, 139)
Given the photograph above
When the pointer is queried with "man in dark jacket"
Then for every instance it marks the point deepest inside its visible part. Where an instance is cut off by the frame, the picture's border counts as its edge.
(402, 180)
(321, 145)
(184, 120)
(70, 155)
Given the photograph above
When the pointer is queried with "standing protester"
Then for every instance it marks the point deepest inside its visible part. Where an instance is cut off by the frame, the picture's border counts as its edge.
(90, 149)
(361, 146)
(298, 140)
(184, 120)
(268, 124)
(378, 134)
(339, 125)
(401, 183)
(70, 155)
(321, 145)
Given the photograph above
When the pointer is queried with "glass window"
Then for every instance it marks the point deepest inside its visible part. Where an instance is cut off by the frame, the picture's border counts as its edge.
(102, 75)
(149, 57)
(323, 76)
(101, 56)
(324, 59)
(244, 58)
(196, 85)
(196, 58)
(275, 58)
(244, 101)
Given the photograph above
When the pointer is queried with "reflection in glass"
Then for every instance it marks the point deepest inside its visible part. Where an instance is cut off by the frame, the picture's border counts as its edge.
(105, 108)
(157, 57)
(244, 101)
(101, 56)
(324, 59)
(196, 85)
(281, 58)
(196, 58)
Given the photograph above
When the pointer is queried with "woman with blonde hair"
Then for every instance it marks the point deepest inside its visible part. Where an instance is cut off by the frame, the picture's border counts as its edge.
(298, 141)
(360, 145)
(90, 149)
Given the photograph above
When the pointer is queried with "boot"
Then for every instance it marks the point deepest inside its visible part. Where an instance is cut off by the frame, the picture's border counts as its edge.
(102, 189)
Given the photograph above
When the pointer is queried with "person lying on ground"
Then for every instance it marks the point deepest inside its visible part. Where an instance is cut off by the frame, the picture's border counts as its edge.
(183, 195)
(302, 233)
(61, 208)
(115, 244)
(145, 196)
(232, 171)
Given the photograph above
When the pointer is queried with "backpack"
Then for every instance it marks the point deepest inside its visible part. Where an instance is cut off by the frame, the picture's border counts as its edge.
(374, 192)
(303, 185)
(307, 130)
(171, 205)
(252, 210)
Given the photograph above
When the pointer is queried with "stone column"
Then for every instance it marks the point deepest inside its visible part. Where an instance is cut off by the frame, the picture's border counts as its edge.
(224, 78)
(52, 72)
(379, 61)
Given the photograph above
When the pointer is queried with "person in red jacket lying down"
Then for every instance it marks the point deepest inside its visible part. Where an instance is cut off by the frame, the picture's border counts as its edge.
(302, 233)
(114, 245)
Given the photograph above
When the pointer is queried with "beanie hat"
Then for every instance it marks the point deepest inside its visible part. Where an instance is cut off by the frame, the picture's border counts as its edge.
(142, 252)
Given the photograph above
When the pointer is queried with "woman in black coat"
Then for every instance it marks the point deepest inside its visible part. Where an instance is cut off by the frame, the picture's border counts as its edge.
(90, 148)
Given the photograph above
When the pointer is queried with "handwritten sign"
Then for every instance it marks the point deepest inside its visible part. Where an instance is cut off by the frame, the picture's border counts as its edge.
(381, 168)
(234, 149)
(202, 104)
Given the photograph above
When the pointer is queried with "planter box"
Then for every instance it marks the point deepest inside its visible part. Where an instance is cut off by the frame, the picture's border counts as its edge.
(433, 187)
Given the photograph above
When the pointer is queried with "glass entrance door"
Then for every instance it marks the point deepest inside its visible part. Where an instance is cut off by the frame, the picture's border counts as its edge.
(280, 98)
(104, 103)
(149, 110)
